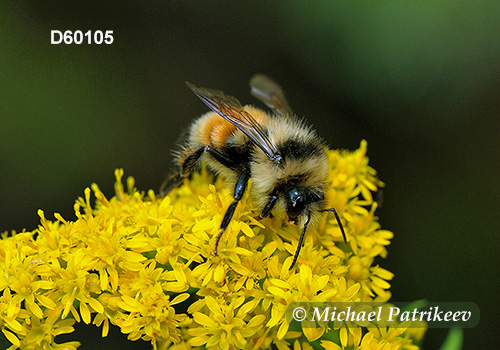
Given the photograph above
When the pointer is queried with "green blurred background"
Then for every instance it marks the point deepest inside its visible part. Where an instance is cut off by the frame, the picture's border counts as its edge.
(420, 81)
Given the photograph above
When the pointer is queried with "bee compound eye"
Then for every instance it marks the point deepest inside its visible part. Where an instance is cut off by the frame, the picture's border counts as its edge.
(295, 203)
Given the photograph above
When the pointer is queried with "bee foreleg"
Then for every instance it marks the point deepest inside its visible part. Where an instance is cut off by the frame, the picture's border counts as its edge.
(268, 207)
(301, 242)
(239, 190)
(337, 217)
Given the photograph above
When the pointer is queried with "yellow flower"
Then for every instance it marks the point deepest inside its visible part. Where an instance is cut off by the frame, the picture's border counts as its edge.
(226, 327)
(146, 265)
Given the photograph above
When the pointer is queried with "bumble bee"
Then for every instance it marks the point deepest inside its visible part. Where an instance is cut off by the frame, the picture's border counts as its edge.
(286, 159)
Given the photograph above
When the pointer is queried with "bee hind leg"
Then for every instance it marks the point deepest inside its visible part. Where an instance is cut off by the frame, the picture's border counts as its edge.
(239, 190)
(187, 165)
(169, 184)
(188, 162)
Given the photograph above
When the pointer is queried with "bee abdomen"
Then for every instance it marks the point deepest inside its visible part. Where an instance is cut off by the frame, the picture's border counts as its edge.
(210, 129)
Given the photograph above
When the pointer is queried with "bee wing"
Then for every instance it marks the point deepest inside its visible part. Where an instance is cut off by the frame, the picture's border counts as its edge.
(271, 94)
(229, 108)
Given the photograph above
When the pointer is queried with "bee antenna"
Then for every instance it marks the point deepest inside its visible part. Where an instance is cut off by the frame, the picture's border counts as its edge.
(338, 221)
(301, 242)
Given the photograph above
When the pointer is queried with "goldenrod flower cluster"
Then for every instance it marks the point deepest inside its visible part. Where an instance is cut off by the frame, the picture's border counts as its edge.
(146, 265)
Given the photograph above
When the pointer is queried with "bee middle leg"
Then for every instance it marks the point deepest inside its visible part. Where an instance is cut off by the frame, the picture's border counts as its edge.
(186, 170)
(239, 190)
